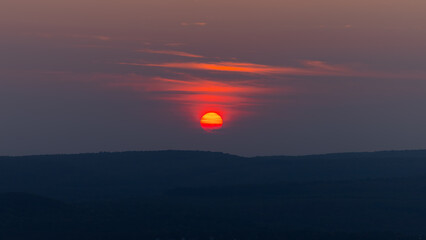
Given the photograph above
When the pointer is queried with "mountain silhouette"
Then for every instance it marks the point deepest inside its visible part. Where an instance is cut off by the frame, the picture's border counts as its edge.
(205, 195)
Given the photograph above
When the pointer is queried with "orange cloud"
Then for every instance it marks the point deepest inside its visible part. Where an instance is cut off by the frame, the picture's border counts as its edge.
(200, 24)
(200, 94)
(169, 52)
(207, 87)
(194, 86)
(199, 99)
(311, 68)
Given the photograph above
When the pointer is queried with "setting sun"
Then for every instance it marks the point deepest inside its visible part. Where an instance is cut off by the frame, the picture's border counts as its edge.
(211, 121)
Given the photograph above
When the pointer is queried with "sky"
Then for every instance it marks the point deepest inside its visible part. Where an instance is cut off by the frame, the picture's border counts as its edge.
(288, 77)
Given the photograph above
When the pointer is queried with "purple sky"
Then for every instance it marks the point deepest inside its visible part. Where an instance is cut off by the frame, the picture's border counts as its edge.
(287, 76)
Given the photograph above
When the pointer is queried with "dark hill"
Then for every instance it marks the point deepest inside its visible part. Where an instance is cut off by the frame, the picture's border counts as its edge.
(207, 195)
(128, 174)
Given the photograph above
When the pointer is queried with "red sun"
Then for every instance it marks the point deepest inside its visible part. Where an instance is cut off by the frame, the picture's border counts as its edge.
(211, 121)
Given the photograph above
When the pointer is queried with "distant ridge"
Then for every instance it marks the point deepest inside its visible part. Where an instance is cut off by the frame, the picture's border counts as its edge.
(196, 195)
(119, 152)
(139, 173)
(337, 154)
(392, 153)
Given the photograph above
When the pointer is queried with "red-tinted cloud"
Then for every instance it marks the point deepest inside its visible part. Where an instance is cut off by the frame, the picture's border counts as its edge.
(200, 24)
(201, 95)
(309, 68)
(171, 52)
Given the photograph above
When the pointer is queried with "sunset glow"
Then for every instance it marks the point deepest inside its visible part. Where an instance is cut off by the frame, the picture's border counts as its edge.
(284, 74)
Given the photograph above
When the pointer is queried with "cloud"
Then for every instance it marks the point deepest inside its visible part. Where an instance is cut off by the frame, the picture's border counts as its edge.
(306, 68)
(309, 68)
(173, 44)
(200, 24)
(251, 86)
(102, 38)
(199, 93)
(171, 52)
(95, 37)
(208, 86)
(191, 86)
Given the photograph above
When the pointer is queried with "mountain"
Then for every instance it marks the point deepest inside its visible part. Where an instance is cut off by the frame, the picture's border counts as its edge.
(205, 195)
(128, 174)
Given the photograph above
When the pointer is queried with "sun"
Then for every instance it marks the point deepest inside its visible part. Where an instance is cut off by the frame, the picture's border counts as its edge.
(211, 121)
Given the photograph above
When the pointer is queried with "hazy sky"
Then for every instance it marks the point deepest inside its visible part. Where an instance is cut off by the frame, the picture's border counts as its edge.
(287, 76)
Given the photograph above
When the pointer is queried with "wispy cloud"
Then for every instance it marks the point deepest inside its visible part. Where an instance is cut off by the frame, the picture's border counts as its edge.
(207, 86)
(200, 24)
(191, 86)
(309, 68)
(251, 84)
(171, 52)
(198, 92)
(173, 44)
(74, 36)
